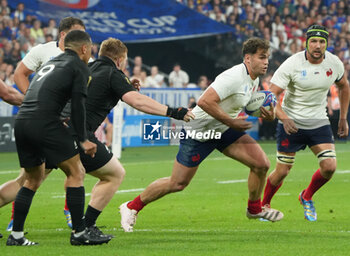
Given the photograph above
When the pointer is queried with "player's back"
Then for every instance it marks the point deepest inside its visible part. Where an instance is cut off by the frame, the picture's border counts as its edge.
(53, 86)
(105, 90)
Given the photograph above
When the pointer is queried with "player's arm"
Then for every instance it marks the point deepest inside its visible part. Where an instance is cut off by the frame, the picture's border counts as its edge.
(10, 94)
(150, 106)
(288, 124)
(21, 77)
(209, 102)
(344, 98)
(78, 111)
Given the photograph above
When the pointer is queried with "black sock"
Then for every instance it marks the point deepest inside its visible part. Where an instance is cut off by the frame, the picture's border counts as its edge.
(22, 204)
(91, 216)
(75, 202)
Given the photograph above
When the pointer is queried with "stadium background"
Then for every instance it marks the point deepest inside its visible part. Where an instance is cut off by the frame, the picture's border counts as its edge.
(201, 220)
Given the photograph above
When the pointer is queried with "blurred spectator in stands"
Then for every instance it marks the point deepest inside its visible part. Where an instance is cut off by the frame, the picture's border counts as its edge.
(51, 29)
(217, 15)
(19, 12)
(4, 8)
(155, 80)
(203, 82)
(24, 50)
(191, 103)
(206, 6)
(143, 77)
(48, 38)
(178, 78)
(136, 73)
(94, 51)
(138, 61)
(37, 32)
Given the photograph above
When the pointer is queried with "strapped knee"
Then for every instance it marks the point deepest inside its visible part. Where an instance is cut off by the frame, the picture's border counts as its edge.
(326, 154)
(285, 159)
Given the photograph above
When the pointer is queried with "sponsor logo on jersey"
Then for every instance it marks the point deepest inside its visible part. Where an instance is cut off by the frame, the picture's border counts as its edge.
(73, 4)
(303, 73)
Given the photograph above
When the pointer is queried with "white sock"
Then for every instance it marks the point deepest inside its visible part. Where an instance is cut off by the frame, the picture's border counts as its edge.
(17, 234)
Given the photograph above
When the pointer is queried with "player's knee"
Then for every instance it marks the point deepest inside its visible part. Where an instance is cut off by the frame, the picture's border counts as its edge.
(262, 166)
(178, 186)
(328, 167)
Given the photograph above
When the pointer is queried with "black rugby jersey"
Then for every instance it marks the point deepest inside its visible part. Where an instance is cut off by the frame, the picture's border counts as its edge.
(58, 80)
(107, 87)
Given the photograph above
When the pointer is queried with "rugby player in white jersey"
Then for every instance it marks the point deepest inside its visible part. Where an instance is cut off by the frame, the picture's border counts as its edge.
(306, 78)
(30, 64)
(11, 96)
(217, 110)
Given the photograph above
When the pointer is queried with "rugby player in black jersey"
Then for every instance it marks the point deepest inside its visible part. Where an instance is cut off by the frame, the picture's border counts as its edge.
(41, 136)
(109, 85)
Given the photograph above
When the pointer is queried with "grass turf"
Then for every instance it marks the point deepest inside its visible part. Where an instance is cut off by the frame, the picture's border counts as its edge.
(207, 218)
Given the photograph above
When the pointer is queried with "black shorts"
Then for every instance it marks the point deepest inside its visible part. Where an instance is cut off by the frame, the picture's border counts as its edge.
(102, 156)
(299, 140)
(40, 141)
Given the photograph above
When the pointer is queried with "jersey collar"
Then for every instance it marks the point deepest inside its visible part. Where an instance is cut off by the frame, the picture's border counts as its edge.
(107, 60)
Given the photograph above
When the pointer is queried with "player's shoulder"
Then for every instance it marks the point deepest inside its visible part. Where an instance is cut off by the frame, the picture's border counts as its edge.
(330, 57)
(238, 71)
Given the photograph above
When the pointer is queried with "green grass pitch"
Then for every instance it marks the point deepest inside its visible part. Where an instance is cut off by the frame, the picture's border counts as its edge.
(207, 218)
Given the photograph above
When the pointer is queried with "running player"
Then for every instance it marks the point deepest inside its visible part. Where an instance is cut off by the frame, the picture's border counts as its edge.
(307, 76)
(218, 110)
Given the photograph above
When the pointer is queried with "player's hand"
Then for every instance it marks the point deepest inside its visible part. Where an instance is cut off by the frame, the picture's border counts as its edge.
(189, 116)
(240, 124)
(289, 126)
(136, 84)
(268, 115)
(343, 128)
(89, 148)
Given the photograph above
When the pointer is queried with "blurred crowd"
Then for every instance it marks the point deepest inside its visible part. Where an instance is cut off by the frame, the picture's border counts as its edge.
(282, 22)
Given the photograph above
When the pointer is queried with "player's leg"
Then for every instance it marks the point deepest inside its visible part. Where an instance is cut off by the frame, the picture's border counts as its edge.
(191, 153)
(327, 162)
(75, 172)
(322, 145)
(110, 177)
(180, 178)
(274, 181)
(9, 190)
(34, 177)
(247, 151)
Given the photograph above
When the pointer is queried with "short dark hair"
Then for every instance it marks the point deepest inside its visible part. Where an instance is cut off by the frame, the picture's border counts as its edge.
(76, 38)
(252, 45)
(68, 22)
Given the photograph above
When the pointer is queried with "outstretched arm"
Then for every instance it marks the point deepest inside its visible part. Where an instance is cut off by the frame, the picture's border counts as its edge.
(10, 94)
(150, 106)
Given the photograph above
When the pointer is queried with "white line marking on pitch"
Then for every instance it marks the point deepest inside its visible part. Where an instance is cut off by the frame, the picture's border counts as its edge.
(231, 181)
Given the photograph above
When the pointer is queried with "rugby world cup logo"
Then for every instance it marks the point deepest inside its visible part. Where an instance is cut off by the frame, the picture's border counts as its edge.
(73, 4)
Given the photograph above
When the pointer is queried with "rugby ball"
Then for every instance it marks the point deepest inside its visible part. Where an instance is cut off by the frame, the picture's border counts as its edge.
(260, 99)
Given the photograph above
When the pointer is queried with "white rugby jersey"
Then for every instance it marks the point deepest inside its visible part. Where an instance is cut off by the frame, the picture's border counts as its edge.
(306, 86)
(234, 87)
(40, 54)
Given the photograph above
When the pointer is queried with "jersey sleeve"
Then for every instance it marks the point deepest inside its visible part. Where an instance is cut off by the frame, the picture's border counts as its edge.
(282, 76)
(32, 60)
(339, 69)
(79, 92)
(121, 84)
(226, 85)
